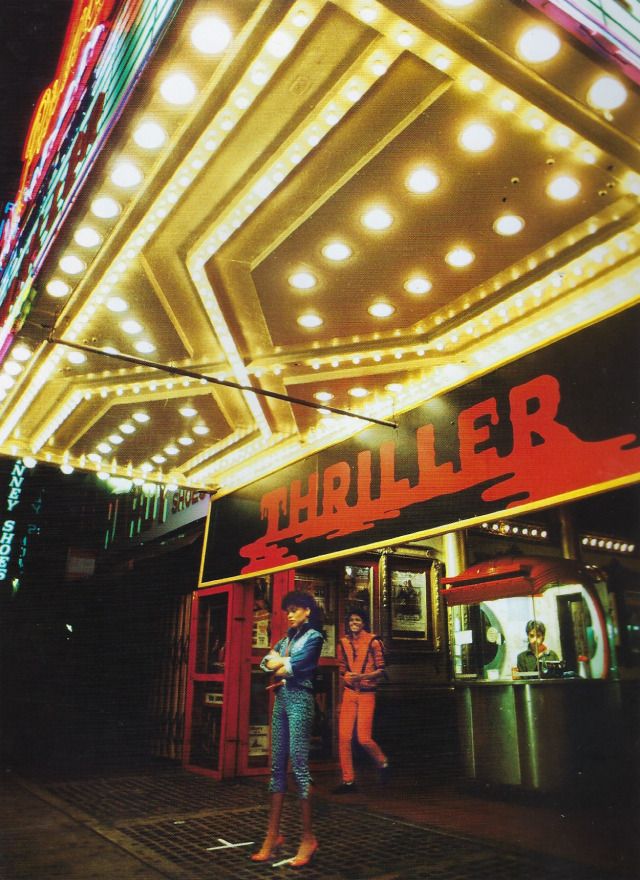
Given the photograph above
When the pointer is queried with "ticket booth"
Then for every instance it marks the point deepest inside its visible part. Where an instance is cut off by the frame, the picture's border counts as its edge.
(551, 727)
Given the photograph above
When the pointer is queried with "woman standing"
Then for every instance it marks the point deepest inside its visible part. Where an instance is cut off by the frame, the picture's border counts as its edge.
(292, 663)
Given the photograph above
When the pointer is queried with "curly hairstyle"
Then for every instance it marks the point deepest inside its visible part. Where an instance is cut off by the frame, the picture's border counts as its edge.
(304, 600)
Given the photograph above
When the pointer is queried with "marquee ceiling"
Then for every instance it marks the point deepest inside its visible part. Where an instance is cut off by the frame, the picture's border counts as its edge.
(359, 205)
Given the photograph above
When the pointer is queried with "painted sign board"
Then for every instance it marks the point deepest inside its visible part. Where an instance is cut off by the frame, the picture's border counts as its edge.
(559, 423)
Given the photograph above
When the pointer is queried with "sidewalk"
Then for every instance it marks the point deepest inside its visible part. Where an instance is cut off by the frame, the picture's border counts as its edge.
(163, 823)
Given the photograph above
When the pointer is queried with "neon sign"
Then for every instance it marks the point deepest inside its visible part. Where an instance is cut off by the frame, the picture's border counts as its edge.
(103, 54)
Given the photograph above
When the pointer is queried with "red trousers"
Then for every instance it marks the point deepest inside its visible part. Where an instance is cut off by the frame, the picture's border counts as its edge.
(357, 711)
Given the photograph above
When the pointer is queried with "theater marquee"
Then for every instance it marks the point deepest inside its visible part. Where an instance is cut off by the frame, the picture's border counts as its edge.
(561, 422)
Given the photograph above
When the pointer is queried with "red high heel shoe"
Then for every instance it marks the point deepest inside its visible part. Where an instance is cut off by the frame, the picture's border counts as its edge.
(257, 857)
(301, 862)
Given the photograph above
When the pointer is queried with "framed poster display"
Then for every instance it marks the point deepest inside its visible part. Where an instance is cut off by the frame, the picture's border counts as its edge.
(408, 601)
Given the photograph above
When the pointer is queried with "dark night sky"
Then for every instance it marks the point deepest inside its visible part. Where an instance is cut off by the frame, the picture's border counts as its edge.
(31, 37)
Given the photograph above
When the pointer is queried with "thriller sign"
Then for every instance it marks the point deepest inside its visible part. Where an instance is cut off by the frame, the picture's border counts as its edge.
(561, 421)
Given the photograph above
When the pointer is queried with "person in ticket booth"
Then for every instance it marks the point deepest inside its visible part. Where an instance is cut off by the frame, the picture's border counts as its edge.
(537, 652)
(293, 662)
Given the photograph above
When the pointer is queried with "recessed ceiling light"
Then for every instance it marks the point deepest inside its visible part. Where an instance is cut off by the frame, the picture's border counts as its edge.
(538, 44)
(323, 396)
(303, 280)
(72, 265)
(185, 441)
(188, 411)
(57, 287)
(381, 309)
(76, 357)
(117, 304)
(211, 35)
(94, 457)
(607, 93)
(12, 368)
(126, 175)
(116, 439)
(358, 392)
(87, 237)
(508, 224)
(563, 188)
(127, 428)
(66, 468)
(21, 353)
(310, 320)
(337, 251)
(460, 257)
(159, 459)
(171, 450)
(141, 417)
(200, 429)
(367, 14)
(477, 138)
(149, 135)
(394, 387)
(418, 284)
(279, 44)
(6, 381)
(105, 207)
(131, 326)
(377, 219)
(104, 448)
(144, 347)
(178, 89)
(422, 180)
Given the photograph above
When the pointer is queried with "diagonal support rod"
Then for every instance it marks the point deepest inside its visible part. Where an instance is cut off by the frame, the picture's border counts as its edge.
(191, 374)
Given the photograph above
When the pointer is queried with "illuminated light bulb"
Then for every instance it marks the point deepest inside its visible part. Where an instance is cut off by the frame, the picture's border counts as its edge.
(144, 347)
(476, 84)
(536, 123)
(29, 461)
(259, 75)
(126, 175)
(562, 137)
(72, 265)
(104, 448)
(422, 180)
(460, 257)
(508, 105)
(538, 44)
(358, 392)
(116, 439)
(211, 35)
(12, 368)
(188, 411)
(394, 387)
(150, 135)
(178, 89)
(105, 207)
(127, 428)
(185, 441)
(310, 320)
(323, 396)
(6, 381)
(21, 353)
(418, 285)
(117, 304)
(405, 39)
(337, 251)
(200, 429)
(442, 62)
(141, 417)
(171, 450)
(159, 459)
(508, 224)
(56, 287)
(367, 14)
(303, 280)
(279, 44)
(66, 469)
(381, 310)
(377, 219)
(563, 188)
(607, 93)
(76, 357)
(131, 326)
(87, 237)
(476, 138)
